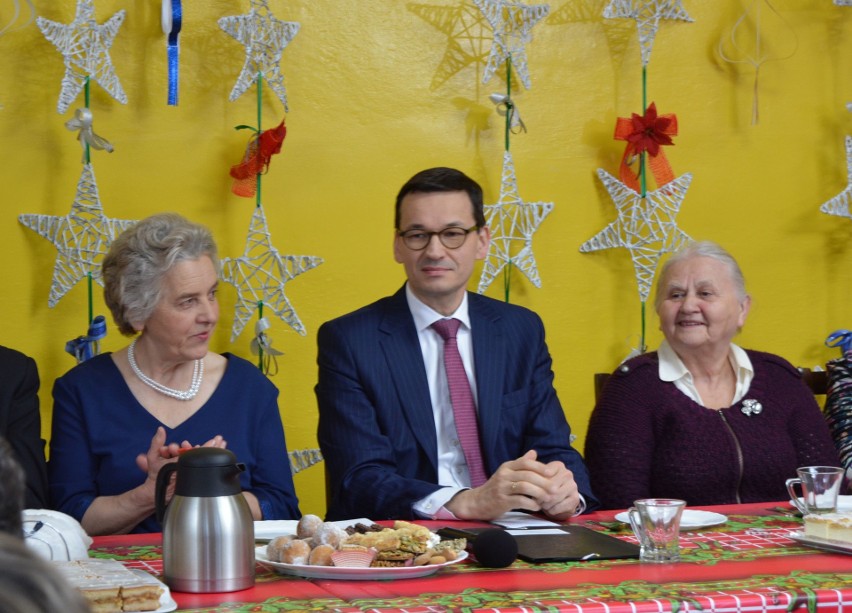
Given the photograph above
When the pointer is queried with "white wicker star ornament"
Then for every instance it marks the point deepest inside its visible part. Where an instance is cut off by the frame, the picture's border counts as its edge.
(645, 226)
(512, 23)
(261, 273)
(839, 205)
(85, 46)
(82, 237)
(265, 38)
(512, 223)
(467, 38)
(648, 14)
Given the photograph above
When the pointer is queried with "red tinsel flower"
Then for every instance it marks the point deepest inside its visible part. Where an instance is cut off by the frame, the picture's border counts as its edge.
(649, 131)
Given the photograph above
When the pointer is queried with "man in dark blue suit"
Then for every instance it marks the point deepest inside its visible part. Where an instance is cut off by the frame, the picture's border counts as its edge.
(386, 421)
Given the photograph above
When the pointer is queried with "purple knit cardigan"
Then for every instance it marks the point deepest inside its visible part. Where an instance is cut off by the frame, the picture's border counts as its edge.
(647, 439)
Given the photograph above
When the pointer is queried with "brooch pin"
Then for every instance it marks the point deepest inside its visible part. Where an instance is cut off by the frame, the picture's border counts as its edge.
(751, 407)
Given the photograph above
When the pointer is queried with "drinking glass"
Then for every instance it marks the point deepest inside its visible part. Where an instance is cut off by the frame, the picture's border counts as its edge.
(656, 523)
(820, 486)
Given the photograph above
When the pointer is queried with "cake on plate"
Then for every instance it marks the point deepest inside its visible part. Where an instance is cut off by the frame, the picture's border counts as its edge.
(831, 526)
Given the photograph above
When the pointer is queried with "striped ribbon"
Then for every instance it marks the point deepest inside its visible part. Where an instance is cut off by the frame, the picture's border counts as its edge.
(172, 18)
(85, 347)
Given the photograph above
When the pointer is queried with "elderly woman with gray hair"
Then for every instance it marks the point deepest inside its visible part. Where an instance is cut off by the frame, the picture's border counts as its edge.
(702, 419)
(119, 417)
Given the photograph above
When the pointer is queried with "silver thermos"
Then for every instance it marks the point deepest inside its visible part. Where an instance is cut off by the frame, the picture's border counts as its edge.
(208, 531)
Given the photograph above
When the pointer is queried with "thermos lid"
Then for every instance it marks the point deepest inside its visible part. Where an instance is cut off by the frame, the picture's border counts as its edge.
(206, 457)
(208, 471)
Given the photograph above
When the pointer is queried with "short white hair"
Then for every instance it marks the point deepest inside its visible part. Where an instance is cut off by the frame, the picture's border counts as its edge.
(701, 249)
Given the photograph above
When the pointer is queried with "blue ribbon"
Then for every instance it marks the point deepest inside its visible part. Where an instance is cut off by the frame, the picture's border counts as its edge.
(85, 347)
(841, 339)
(173, 48)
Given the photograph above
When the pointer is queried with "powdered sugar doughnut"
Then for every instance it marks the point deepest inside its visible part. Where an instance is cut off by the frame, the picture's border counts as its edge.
(307, 526)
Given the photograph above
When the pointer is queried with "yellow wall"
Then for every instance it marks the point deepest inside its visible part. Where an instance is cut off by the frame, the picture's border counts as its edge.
(364, 117)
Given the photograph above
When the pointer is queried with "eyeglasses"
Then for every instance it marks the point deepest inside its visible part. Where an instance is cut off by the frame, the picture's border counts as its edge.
(451, 238)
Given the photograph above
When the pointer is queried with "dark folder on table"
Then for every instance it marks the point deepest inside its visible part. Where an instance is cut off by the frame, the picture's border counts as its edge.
(571, 543)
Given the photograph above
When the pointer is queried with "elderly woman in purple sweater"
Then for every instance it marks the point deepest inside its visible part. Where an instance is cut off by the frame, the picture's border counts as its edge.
(702, 419)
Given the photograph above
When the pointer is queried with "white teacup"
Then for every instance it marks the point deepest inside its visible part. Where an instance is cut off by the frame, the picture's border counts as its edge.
(656, 523)
(820, 486)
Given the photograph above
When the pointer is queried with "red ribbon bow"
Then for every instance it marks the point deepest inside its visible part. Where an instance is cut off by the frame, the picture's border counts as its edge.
(259, 152)
(646, 133)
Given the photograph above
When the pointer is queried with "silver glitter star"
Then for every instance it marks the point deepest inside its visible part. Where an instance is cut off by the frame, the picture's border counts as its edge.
(645, 226)
(265, 38)
(261, 273)
(512, 23)
(647, 14)
(85, 46)
(512, 223)
(839, 205)
(82, 237)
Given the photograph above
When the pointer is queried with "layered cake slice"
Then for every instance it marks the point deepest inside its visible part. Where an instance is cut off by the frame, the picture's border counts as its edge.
(111, 587)
(832, 526)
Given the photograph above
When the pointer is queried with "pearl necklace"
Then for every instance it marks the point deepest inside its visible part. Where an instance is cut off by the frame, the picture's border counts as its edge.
(192, 392)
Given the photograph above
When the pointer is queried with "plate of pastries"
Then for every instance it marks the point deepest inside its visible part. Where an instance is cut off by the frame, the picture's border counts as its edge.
(363, 551)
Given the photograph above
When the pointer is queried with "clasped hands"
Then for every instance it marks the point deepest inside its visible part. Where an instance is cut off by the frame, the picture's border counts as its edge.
(160, 454)
(525, 484)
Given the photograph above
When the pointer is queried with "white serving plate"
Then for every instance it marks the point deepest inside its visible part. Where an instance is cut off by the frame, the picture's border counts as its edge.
(818, 543)
(844, 504)
(690, 519)
(266, 530)
(351, 573)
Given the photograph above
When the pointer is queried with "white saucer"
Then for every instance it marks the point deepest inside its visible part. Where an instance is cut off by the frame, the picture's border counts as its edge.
(844, 504)
(690, 520)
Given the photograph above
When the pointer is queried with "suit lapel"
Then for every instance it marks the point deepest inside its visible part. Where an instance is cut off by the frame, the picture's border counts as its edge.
(408, 373)
(489, 357)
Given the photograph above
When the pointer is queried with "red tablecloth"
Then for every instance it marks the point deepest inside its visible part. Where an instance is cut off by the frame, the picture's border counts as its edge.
(747, 564)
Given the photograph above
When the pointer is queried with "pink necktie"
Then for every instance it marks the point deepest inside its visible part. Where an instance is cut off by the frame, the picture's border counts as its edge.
(462, 400)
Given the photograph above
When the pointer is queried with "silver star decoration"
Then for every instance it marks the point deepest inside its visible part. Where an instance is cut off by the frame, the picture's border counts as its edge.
(302, 459)
(512, 23)
(464, 26)
(647, 14)
(82, 237)
(513, 223)
(260, 275)
(85, 46)
(839, 205)
(265, 38)
(645, 226)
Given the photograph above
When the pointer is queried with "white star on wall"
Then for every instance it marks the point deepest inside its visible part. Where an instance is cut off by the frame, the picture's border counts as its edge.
(467, 36)
(85, 46)
(265, 38)
(645, 226)
(512, 223)
(82, 237)
(260, 275)
(512, 23)
(647, 14)
(839, 205)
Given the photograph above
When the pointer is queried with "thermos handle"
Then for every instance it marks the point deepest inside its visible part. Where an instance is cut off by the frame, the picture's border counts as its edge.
(163, 478)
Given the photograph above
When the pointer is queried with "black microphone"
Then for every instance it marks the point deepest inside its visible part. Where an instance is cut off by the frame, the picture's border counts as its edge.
(494, 548)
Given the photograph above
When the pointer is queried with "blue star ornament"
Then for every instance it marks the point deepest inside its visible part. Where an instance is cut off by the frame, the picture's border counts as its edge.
(260, 275)
(645, 226)
(512, 23)
(265, 38)
(839, 205)
(81, 238)
(512, 223)
(85, 46)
